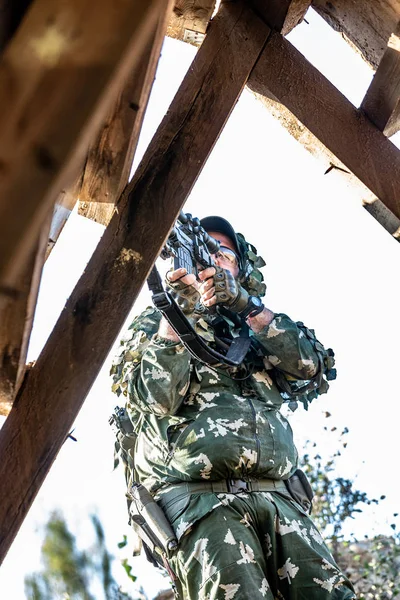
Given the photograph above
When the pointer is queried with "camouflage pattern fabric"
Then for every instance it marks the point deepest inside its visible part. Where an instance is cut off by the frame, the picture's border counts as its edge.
(259, 545)
(195, 423)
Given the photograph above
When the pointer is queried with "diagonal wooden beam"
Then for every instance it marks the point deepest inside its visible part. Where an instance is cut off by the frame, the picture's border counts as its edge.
(367, 25)
(331, 166)
(381, 103)
(105, 172)
(281, 15)
(115, 143)
(110, 158)
(16, 319)
(95, 312)
(284, 72)
(58, 77)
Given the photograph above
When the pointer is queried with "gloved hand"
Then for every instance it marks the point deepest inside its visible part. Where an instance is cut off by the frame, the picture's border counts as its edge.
(222, 288)
(183, 289)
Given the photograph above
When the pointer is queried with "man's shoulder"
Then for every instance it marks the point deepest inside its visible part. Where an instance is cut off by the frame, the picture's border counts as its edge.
(142, 329)
(132, 346)
(148, 320)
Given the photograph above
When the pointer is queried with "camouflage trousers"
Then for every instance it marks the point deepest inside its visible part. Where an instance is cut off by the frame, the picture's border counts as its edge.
(257, 545)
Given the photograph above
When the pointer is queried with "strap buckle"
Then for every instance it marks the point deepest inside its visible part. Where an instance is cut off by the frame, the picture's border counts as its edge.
(236, 485)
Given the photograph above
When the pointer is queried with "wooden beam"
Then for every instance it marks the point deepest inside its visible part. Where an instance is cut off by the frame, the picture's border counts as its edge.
(16, 319)
(281, 15)
(110, 158)
(331, 166)
(96, 310)
(105, 171)
(366, 25)
(58, 77)
(284, 72)
(381, 103)
(190, 16)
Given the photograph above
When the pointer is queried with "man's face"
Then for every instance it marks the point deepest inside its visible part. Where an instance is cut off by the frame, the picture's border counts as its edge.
(226, 260)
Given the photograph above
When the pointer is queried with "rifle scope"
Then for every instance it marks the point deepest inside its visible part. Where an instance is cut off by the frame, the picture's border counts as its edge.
(194, 224)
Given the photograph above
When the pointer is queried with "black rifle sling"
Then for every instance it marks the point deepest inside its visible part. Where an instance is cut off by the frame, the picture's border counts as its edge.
(197, 347)
(240, 345)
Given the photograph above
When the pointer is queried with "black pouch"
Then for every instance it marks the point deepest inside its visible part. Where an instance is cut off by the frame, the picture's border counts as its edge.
(300, 489)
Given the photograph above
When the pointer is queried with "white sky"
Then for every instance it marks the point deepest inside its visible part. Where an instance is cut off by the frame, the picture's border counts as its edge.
(329, 264)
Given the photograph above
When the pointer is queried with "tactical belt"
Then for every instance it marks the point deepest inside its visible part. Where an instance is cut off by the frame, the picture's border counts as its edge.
(225, 486)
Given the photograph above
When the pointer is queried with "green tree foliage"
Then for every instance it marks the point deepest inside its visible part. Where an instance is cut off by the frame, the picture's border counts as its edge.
(69, 573)
(372, 564)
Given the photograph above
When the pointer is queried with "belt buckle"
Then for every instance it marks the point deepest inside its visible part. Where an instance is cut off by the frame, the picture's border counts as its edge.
(236, 485)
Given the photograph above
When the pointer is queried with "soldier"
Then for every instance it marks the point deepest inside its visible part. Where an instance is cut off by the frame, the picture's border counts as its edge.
(214, 449)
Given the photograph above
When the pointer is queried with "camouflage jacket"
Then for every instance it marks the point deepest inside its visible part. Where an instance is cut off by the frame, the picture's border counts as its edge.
(196, 423)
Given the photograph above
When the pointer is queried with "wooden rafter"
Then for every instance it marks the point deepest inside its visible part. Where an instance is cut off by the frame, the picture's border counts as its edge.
(108, 165)
(367, 24)
(105, 171)
(281, 15)
(16, 319)
(95, 312)
(284, 72)
(381, 103)
(331, 165)
(58, 77)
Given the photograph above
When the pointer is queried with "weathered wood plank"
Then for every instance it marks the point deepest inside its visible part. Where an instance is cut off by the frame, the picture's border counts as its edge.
(381, 103)
(190, 15)
(332, 166)
(110, 158)
(16, 319)
(63, 374)
(367, 25)
(281, 15)
(347, 132)
(58, 78)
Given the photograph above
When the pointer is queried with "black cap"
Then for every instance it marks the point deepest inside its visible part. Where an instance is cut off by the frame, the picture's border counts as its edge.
(218, 224)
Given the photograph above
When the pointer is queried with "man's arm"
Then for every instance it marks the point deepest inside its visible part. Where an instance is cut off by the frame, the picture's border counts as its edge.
(160, 382)
(261, 320)
(152, 371)
(286, 346)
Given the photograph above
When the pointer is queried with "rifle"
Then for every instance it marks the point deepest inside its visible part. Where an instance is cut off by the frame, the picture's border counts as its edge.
(191, 247)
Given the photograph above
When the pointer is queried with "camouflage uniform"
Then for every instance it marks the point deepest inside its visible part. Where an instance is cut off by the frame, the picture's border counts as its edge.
(197, 424)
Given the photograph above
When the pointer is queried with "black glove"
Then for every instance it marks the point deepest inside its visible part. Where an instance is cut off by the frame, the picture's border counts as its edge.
(229, 292)
(186, 296)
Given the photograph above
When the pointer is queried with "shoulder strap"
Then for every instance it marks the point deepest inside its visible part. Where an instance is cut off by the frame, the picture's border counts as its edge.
(197, 347)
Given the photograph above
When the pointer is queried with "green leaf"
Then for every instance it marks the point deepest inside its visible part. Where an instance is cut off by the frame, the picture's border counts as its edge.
(123, 543)
(128, 569)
